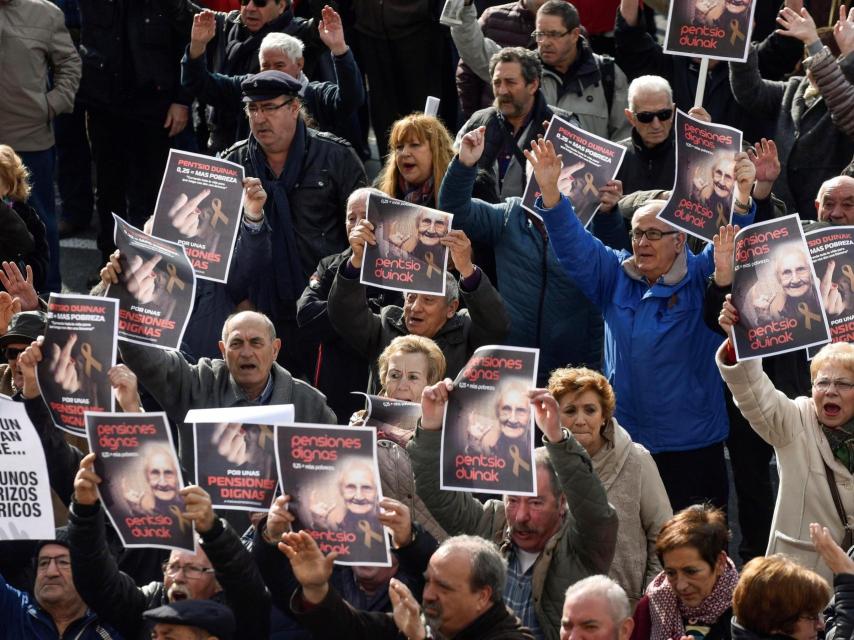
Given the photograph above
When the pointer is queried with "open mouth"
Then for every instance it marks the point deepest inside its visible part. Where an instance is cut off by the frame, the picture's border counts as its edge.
(831, 410)
(248, 367)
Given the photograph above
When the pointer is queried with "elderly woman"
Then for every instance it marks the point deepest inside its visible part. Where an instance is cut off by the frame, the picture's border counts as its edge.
(693, 595)
(420, 151)
(812, 438)
(776, 597)
(625, 468)
(406, 366)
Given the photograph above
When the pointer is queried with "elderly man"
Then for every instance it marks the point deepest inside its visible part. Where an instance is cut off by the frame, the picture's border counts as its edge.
(546, 307)
(519, 108)
(338, 369)
(835, 201)
(306, 177)
(566, 532)
(462, 596)
(220, 569)
(55, 610)
(191, 620)
(458, 333)
(23, 329)
(41, 72)
(660, 355)
(574, 78)
(596, 608)
(330, 104)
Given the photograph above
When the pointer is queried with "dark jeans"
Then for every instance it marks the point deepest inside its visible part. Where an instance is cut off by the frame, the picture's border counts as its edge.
(41, 165)
(130, 156)
(695, 476)
(74, 168)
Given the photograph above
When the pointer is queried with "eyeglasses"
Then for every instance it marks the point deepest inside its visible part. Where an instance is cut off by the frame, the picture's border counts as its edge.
(548, 35)
(12, 354)
(63, 563)
(648, 116)
(651, 234)
(258, 3)
(824, 384)
(191, 571)
(268, 109)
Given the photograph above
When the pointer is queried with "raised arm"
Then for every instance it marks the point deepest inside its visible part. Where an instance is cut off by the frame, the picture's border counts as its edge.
(475, 48)
(751, 91)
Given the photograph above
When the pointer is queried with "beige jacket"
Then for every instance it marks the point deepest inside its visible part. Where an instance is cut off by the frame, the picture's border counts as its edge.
(791, 427)
(34, 41)
(635, 490)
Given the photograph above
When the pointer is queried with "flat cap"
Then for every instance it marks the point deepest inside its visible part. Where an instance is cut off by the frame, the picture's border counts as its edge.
(268, 85)
(213, 617)
(24, 327)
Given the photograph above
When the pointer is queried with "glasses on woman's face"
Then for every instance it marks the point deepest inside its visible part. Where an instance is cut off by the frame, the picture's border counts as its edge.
(824, 384)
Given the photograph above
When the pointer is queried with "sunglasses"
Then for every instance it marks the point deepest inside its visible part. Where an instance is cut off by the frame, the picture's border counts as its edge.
(648, 116)
(12, 354)
(258, 3)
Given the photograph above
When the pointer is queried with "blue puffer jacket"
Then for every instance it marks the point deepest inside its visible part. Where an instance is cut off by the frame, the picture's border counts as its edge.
(546, 308)
(22, 617)
(659, 354)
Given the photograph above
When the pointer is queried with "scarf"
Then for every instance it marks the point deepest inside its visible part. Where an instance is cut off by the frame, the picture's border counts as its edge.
(287, 270)
(417, 195)
(667, 610)
(241, 48)
(841, 441)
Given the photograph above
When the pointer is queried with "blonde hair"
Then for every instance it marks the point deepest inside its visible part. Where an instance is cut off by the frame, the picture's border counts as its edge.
(841, 353)
(14, 174)
(428, 130)
(414, 344)
(579, 380)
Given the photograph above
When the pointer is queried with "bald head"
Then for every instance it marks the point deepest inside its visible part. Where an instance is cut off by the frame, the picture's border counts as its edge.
(835, 201)
(253, 316)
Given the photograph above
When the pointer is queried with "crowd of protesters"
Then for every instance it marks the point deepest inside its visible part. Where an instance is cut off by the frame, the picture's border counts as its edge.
(641, 407)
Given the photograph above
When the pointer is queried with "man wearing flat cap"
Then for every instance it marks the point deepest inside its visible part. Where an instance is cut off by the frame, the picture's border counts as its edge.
(191, 620)
(24, 327)
(306, 177)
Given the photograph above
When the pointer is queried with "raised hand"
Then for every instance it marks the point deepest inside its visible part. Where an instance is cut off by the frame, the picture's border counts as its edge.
(843, 31)
(397, 517)
(546, 164)
(797, 24)
(471, 146)
(728, 316)
(123, 380)
(203, 31)
(331, 31)
(546, 414)
(405, 610)
(86, 481)
(9, 306)
(433, 401)
(27, 362)
(311, 568)
(19, 286)
(609, 195)
(279, 519)
(460, 248)
(745, 174)
(724, 242)
(362, 234)
(198, 507)
(833, 555)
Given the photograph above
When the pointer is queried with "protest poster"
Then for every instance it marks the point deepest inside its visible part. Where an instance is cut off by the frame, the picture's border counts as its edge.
(589, 162)
(717, 29)
(488, 435)
(832, 255)
(775, 291)
(701, 201)
(26, 510)
(156, 290)
(332, 476)
(236, 454)
(199, 207)
(409, 255)
(78, 351)
(140, 479)
(394, 420)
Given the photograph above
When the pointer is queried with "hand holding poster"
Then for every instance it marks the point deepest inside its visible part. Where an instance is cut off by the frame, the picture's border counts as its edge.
(236, 454)
(26, 510)
(702, 197)
(199, 208)
(156, 288)
(589, 163)
(832, 255)
(78, 351)
(408, 254)
(774, 289)
(140, 479)
(332, 477)
(488, 433)
(718, 29)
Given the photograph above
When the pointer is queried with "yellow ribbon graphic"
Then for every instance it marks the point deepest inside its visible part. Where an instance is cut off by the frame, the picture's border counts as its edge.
(264, 432)
(370, 534)
(517, 460)
(431, 264)
(86, 352)
(173, 278)
(218, 215)
(736, 32)
(722, 221)
(589, 186)
(808, 315)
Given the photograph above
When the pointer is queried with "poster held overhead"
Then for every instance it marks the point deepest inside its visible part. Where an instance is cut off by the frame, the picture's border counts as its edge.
(78, 351)
(832, 255)
(710, 29)
(488, 433)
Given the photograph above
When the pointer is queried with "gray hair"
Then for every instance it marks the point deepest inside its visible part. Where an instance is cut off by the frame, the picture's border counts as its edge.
(287, 44)
(452, 289)
(529, 61)
(604, 587)
(649, 84)
(271, 328)
(488, 567)
(362, 193)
